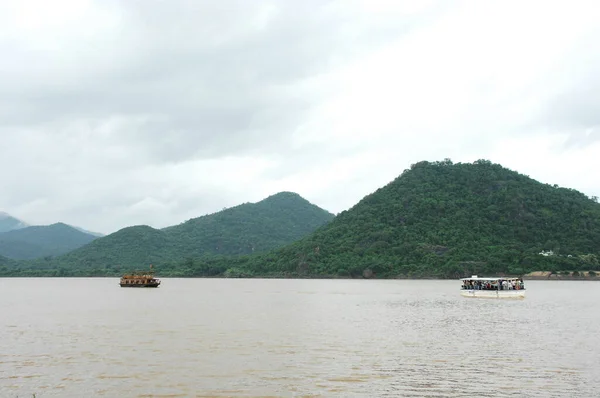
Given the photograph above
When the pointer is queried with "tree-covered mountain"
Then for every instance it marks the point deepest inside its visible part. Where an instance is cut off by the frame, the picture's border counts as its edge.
(9, 223)
(248, 228)
(438, 219)
(44, 240)
(252, 227)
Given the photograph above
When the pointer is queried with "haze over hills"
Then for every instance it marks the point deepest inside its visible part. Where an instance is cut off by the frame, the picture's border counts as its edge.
(9, 223)
(19, 240)
(439, 219)
(248, 228)
(85, 231)
(39, 241)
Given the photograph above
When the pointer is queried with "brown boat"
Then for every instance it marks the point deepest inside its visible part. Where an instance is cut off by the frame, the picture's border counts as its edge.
(140, 279)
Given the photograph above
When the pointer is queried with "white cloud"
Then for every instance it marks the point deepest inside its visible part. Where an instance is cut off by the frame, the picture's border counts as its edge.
(113, 115)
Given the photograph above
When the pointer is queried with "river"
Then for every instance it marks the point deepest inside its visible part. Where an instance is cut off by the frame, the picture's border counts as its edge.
(87, 337)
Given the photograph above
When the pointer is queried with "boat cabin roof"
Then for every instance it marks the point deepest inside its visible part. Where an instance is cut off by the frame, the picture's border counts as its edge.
(477, 278)
(137, 276)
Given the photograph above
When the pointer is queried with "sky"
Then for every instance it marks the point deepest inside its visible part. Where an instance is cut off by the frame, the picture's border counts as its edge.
(125, 112)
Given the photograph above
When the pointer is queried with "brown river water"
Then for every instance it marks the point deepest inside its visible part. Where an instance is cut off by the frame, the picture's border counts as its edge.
(295, 338)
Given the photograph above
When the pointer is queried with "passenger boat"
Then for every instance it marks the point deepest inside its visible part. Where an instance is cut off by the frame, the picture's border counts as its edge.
(497, 288)
(140, 279)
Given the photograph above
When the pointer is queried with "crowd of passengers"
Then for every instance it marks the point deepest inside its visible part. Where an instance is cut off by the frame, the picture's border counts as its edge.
(494, 285)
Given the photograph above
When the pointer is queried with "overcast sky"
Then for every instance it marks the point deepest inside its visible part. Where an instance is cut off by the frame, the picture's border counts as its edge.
(116, 113)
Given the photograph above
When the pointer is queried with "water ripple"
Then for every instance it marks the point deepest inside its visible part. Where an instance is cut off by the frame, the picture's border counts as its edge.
(280, 338)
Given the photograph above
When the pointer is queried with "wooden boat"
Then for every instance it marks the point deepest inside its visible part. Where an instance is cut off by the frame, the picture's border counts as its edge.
(140, 279)
(498, 288)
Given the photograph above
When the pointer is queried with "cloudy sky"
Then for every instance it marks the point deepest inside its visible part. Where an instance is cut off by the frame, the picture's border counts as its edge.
(123, 112)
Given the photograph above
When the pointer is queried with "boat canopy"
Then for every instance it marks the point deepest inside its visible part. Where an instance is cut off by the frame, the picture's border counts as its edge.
(476, 278)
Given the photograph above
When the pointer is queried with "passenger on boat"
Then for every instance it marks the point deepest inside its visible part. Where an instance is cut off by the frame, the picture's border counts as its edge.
(494, 285)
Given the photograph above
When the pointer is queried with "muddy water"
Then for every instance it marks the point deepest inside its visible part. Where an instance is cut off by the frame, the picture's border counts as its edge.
(293, 338)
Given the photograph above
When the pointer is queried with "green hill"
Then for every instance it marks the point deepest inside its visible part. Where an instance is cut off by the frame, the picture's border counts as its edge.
(248, 228)
(134, 246)
(39, 241)
(440, 219)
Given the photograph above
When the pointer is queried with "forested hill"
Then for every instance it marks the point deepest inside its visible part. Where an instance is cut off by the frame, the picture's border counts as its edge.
(251, 227)
(5, 263)
(248, 228)
(440, 219)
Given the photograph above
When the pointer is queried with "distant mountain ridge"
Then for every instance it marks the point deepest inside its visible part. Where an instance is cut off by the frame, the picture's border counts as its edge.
(85, 231)
(42, 240)
(9, 223)
(244, 229)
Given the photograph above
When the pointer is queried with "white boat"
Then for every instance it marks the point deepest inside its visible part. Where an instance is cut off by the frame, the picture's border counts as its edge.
(497, 288)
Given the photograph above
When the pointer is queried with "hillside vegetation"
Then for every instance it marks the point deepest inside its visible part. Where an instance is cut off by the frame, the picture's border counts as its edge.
(5, 264)
(438, 219)
(39, 241)
(248, 228)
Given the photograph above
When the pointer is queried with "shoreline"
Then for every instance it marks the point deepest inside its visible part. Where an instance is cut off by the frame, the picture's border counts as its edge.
(537, 276)
(561, 278)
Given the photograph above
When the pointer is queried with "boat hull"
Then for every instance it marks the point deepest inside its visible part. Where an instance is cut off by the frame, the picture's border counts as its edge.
(139, 285)
(494, 294)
